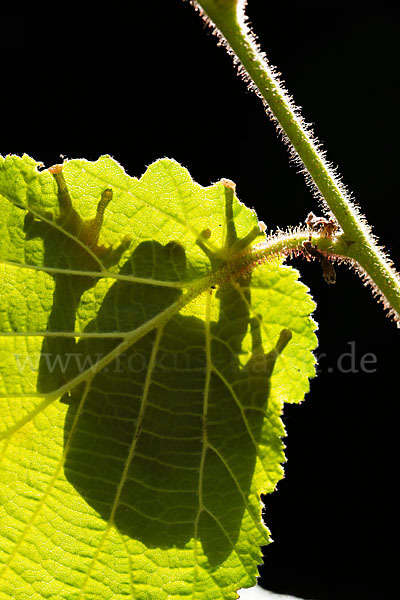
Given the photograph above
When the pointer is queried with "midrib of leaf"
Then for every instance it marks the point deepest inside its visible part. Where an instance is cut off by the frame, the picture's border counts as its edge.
(129, 340)
(217, 277)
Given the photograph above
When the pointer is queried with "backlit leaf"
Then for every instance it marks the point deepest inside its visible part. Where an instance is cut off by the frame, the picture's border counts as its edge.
(145, 360)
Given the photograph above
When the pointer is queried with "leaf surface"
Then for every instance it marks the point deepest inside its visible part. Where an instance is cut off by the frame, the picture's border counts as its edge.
(145, 360)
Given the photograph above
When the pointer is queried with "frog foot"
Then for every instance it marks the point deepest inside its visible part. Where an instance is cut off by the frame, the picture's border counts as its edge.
(232, 243)
(86, 231)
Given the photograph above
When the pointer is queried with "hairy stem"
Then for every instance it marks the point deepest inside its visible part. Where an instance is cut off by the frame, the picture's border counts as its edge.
(357, 240)
(293, 243)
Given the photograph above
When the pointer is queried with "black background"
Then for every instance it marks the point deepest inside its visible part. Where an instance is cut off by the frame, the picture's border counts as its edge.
(140, 84)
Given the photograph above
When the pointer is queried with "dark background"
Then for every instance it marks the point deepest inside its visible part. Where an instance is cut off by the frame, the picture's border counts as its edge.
(88, 79)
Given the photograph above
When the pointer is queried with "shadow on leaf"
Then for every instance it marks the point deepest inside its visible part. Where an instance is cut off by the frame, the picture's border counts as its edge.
(158, 442)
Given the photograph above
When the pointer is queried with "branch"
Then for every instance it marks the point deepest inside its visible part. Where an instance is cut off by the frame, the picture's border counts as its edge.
(357, 242)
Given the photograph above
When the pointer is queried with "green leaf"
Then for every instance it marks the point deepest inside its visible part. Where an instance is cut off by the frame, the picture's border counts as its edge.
(145, 359)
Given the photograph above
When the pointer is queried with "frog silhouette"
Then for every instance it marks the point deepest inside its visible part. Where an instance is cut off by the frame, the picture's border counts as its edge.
(153, 440)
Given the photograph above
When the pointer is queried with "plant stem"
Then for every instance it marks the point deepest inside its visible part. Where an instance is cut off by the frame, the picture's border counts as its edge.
(228, 18)
(292, 243)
